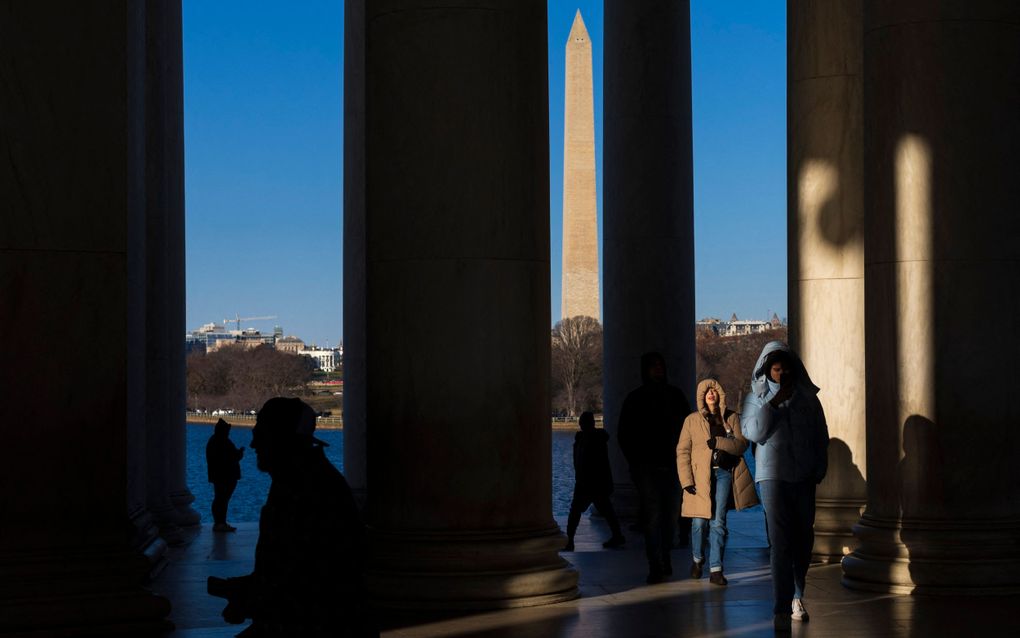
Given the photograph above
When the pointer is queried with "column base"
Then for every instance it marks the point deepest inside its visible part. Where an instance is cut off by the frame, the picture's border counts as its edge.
(147, 541)
(834, 522)
(425, 571)
(965, 557)
(72, 591)
(185, 515)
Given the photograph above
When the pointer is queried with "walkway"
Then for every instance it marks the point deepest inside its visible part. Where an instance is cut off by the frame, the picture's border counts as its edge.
(617, 603)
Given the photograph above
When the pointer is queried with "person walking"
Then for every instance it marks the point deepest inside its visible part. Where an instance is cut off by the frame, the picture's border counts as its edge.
(783, 415)
(223, 463)
(593, 480)
(710, 463)
(648, 431)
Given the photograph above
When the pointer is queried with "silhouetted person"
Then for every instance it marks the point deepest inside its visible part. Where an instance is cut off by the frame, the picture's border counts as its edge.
(593, 480)
(223, 462)
(648, 431)
(710, 461)
(308, 578)
(783, 416)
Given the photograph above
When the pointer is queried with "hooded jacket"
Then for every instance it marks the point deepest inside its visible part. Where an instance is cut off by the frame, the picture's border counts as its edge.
(694, 457)
(793, 438)
(592, 473)
(222, 457)
(650, 420)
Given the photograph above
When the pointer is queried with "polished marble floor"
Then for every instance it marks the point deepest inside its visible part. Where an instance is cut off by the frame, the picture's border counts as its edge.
(616, 602)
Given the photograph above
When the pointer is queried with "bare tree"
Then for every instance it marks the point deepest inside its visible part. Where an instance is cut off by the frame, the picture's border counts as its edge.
(577, 363)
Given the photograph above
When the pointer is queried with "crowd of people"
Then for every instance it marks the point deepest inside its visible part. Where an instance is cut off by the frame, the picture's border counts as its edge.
(692, 462)
(308, 578)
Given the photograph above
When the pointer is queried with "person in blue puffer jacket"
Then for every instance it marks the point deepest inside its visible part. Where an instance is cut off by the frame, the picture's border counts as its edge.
(783, 415)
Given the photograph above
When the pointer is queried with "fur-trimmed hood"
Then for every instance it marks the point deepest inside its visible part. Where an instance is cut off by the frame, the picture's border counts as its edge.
(703, 390)
(760, 379)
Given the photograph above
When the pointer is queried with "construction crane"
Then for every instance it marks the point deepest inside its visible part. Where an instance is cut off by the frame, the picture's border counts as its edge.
(238, 319)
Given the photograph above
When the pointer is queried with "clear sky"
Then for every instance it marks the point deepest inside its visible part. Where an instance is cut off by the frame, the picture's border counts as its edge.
(263, 153)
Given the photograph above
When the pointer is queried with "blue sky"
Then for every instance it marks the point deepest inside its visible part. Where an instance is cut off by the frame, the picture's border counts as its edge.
(263, 153)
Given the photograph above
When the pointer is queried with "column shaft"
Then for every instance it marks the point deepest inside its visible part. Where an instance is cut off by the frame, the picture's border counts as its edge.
(648, 203)
(355, 382)
(826, 245)
(457, 307)
(71, 126)
(941, 97)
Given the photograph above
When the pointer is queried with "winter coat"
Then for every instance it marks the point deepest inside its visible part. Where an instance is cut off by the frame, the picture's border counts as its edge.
(694, 457)
(793, 438)
(650, 421)
(592, 474)
(222, 458)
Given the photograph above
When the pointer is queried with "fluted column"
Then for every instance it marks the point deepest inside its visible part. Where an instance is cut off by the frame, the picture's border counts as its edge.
(826, 245)
(648, 203)
(457, 306)
(355, 382)
(73, 187)
(170, 76)
(941, 98)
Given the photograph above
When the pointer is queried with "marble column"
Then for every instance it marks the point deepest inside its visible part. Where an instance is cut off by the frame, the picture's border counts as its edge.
(169, 75)
(354, 249)
(648, 203)
(457, 307)
(71, 130)
(942, 267)
(826, 245)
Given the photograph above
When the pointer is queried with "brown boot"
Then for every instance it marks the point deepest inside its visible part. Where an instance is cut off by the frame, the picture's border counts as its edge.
(696, 569)
(716, 578)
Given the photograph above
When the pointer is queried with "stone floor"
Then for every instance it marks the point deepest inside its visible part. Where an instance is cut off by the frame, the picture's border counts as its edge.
(616, 602)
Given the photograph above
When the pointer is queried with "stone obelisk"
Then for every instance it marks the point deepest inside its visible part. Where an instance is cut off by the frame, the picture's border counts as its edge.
(580, 235)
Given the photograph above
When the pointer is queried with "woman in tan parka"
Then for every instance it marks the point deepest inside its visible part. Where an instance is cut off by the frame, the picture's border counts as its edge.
(710, 463)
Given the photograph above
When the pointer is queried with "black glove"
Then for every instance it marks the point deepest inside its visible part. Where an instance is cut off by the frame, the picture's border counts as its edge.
(690, 489)
(711, 443)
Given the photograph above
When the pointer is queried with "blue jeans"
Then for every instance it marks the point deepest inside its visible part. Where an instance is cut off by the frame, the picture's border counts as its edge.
(790, 514)
(715, 529)
(659, 492)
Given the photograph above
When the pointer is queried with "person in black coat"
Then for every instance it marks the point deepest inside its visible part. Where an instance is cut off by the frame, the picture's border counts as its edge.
(223, 460)
(648, 431)
(308, 579)
(593, 480)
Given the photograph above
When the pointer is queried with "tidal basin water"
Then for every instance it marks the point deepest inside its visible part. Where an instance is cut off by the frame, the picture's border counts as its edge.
(254, 485)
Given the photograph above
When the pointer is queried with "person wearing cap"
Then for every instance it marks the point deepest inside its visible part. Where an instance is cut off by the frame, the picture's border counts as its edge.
(223, 462)
(308, 578)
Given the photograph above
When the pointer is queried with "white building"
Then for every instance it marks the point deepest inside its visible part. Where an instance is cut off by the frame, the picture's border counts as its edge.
(327, 360)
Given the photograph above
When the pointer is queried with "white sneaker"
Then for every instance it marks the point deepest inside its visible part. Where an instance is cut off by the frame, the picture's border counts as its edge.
(799, 613)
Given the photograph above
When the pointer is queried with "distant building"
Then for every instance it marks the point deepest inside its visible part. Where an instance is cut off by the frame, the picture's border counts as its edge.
(739, 327)
(291, 344)
(327, 360)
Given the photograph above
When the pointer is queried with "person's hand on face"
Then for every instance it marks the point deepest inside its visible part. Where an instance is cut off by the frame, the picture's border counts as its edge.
(780, 373)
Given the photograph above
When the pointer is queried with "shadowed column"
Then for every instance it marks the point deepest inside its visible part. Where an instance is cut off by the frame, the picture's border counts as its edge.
(648, 233)
(73, 181)
(826, 245)
(941, 132)
(456, 221)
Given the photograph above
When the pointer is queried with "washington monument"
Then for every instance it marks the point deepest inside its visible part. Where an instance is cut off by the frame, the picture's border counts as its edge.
(580, 235)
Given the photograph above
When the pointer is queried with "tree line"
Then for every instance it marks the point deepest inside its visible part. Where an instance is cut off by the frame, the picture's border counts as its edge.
(243, 379)
(577, 363)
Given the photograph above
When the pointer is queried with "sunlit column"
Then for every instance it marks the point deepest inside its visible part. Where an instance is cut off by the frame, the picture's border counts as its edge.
(826, 245)
(942, 259)
(648, 232)
(456, 223)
